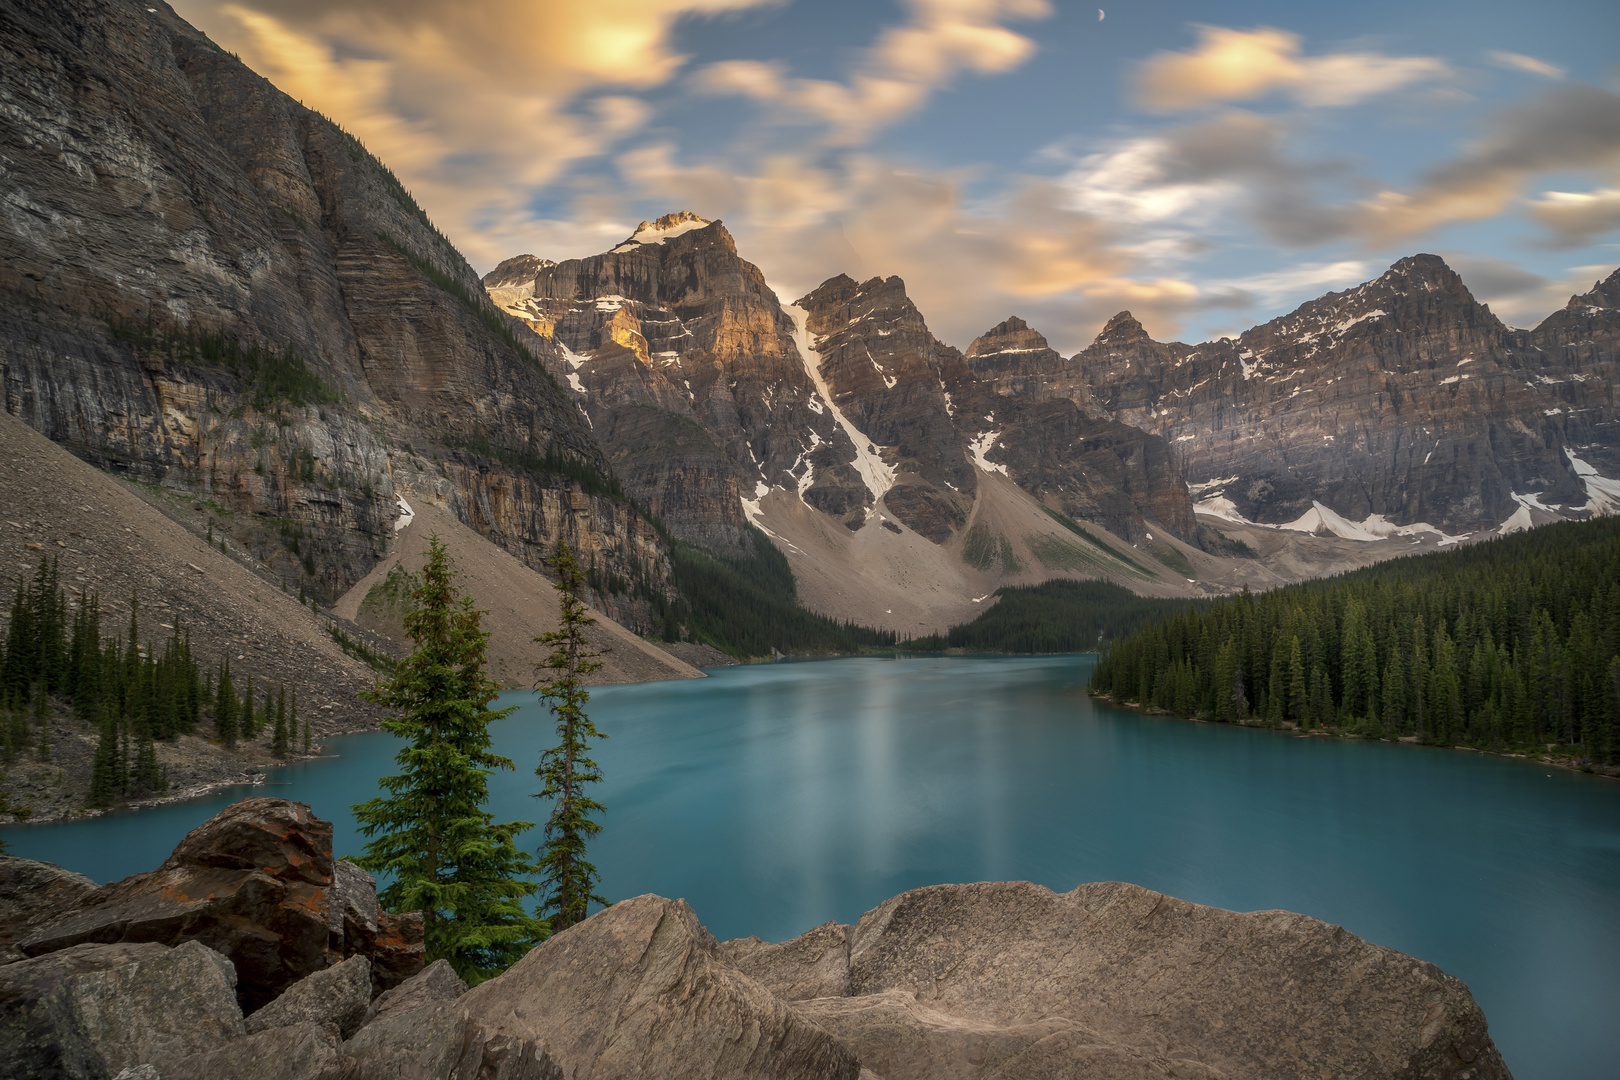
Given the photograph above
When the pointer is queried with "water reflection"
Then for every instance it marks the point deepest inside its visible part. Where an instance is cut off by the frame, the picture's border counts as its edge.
(775, 798)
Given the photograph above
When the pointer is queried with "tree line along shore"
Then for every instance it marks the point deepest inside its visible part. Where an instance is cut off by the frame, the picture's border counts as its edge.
(1512, 645)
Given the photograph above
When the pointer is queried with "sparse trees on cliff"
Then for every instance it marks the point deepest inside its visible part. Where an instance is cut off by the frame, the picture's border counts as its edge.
(430, 832)
(568, 876)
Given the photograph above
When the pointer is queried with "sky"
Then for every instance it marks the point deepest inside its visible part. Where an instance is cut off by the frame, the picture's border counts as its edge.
(1207, 166)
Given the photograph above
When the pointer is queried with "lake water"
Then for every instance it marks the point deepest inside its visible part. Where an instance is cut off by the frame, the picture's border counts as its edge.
(776, 797)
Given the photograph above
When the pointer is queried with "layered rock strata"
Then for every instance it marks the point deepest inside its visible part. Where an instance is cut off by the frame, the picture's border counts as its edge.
(709, 395)
(258, 885)
(1402, 398)
(943, 418)
(210, 288)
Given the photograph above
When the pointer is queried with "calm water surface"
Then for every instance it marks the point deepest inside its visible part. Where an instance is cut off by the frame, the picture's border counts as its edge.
(774, 798)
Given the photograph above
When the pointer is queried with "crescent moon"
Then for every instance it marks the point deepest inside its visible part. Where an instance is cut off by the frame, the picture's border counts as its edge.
(1100, 14)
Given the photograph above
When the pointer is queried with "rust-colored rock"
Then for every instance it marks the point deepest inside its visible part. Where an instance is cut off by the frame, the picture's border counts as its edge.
(257, 884)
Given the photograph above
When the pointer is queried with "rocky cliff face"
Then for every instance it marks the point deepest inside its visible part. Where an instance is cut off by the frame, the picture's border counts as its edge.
(710, 395)
(1007, 407)
(211, 288)
(1402, 398)
(685, 362)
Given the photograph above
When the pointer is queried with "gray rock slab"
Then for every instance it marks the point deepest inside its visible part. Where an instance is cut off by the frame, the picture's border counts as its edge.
(424, 1043)
(338, 995)
(640, 989)
(93, 1010)
(438, 982)
(1266, 993)
(814, 964)
(298, 1052)
(33, 893)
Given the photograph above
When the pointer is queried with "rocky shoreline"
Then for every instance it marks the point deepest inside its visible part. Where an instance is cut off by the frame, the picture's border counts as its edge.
(1570, 763)
(167, 976)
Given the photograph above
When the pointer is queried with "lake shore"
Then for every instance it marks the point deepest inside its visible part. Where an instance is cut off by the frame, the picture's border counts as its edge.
(1570, 762)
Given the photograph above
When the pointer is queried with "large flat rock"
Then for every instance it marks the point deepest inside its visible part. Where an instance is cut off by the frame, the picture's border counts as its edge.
(1009, 978)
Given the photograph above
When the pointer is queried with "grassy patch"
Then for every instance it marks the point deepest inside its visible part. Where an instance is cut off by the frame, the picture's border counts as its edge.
(1172, 558)
(1132, 567)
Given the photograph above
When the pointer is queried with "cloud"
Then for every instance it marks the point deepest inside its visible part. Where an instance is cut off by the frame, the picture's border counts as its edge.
(1518, 296)
(1520, 62)
(1297, 283)
(1241, 65)
(1577, 217)
(476, 104)
(1562, 129)
(1210, 177)
(896, 75)
(967, 265)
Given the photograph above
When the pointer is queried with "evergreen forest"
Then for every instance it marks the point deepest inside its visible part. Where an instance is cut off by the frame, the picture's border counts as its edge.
(747, 607)
(1053, 617)
(1511, 643)
(53, 650)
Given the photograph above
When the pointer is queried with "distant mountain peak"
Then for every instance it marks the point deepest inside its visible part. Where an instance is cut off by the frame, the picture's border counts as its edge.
(1604, 294)
(1122, 329)
(516, 272)
(665, 228)
(1010, 335)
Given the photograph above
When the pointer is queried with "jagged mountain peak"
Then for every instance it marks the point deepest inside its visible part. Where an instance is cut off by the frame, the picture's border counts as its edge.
(664, 228)
(1122, 329)
(516, 272)
(1428, 272)
(1604, 294)
(1011, 335)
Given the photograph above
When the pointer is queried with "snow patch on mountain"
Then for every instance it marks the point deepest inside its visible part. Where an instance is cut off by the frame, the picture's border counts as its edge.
(1602, 493)
(981, 446)
(877, 474)
(665, 228)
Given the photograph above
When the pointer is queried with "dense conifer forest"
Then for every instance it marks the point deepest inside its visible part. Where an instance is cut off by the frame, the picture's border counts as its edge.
(53, 651)
(1511, 643)
(1054, 616)
(747, 607)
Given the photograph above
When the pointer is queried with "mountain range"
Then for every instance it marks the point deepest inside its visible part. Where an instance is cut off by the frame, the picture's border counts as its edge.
(217, 292)
(904, 478)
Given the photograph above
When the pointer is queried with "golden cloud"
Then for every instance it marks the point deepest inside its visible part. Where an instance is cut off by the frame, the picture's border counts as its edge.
(896, 75)
(1240, 65)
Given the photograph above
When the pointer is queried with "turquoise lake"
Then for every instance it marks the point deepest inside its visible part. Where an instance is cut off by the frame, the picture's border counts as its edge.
(776, 797)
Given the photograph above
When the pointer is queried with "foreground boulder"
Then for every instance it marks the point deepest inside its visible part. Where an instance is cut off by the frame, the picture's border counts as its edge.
(636, 990)
(338, 996)
(91, 1011)
(256, 883)
(1006, 979)
(303, 1051)
(33, 893)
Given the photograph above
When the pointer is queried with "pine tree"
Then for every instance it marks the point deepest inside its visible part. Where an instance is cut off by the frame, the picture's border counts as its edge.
(225, 706)
(1298, 701)
(278, 741)
(105, 781)
(430, 832)
(568, 877)
(42, 714)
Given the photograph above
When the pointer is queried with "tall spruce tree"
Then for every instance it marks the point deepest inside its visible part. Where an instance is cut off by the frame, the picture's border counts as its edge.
(430, 832)
(225, 705)
(278, 739)
(568, 877)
